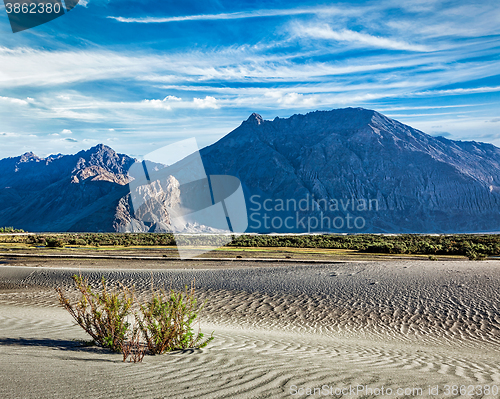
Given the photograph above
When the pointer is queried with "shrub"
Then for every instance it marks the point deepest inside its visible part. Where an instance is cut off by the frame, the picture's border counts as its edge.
(133, 347)
(77, 241)
(103, 315)
(165, 321)
(474, 255)
(10, 230)
(53, 242)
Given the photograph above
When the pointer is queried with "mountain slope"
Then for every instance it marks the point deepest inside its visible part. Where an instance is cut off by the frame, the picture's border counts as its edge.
(63, 193)
(419, 183)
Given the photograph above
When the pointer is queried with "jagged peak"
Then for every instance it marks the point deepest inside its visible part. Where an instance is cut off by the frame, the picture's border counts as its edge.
(100, 148)
(255, 119)
(99, 151)
(28, 156)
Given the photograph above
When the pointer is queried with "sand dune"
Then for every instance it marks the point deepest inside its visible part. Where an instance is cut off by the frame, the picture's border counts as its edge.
(397, 325)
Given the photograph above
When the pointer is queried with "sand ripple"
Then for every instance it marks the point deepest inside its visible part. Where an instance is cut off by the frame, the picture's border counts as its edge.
(403, 324)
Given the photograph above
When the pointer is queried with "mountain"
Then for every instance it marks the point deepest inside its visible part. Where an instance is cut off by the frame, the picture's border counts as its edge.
(346, 170)
(64, 192)
(331, 159)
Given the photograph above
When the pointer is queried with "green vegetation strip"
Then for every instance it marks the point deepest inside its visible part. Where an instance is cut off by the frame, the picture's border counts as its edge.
(470, 245)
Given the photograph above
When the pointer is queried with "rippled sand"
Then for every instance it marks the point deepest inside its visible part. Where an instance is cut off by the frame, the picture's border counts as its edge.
(383, 324)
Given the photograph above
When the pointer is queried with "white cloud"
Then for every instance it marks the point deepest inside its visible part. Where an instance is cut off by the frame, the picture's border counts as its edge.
(66, 131)
(292, 99)
(25, 67)
(163, 104)
(16, 100)
(158, 104)
(241, 15)
(459, 91)
(172, 98)
(346, 35)
(5, 134)
(207, 102)
(170, 102)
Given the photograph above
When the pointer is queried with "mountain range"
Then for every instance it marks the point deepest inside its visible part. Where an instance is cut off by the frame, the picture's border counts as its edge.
(347, 170)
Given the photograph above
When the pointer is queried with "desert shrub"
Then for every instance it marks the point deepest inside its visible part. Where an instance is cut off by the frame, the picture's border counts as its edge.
(387, 248)
(166, 321)
(35, 240)
(77, 241)
(10, 230)
(472, 254)
(103, 315)
(53, 242)
(133, 347)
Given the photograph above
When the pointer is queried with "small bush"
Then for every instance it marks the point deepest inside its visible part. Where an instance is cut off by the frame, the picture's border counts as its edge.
(133, 348)
(10, 230)
(474, 255)
(165, 321)
(53, 242)
(103, 315)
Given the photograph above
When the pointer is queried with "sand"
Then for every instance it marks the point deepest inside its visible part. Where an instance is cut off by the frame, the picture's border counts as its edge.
(348, 328)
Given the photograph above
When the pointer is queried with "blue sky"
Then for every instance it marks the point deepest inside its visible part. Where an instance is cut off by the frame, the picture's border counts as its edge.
(143, 74)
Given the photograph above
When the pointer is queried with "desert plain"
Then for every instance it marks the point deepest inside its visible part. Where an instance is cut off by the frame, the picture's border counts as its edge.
(399, 328)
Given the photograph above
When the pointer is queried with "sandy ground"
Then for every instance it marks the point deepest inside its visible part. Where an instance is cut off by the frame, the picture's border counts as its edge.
(390, 327)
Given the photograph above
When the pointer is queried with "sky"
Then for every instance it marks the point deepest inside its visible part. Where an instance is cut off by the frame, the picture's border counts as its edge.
(138, 75)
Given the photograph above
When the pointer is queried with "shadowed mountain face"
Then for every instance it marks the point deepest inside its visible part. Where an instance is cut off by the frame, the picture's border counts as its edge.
(357, 163)
(347, 170)
(64, 192)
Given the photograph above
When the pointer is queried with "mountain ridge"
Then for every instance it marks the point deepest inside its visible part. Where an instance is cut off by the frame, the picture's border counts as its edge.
(421, 183)
(357, 153)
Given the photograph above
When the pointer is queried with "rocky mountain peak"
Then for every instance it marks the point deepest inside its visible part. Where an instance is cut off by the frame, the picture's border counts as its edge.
(28, 156)
(102, 156)
(255, 119)
(101, 163)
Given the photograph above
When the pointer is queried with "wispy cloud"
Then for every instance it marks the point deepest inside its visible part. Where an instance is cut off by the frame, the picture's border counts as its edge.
(345, 35)
(170, 102)
(16, 100)
(459, 91)
(241, 15)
